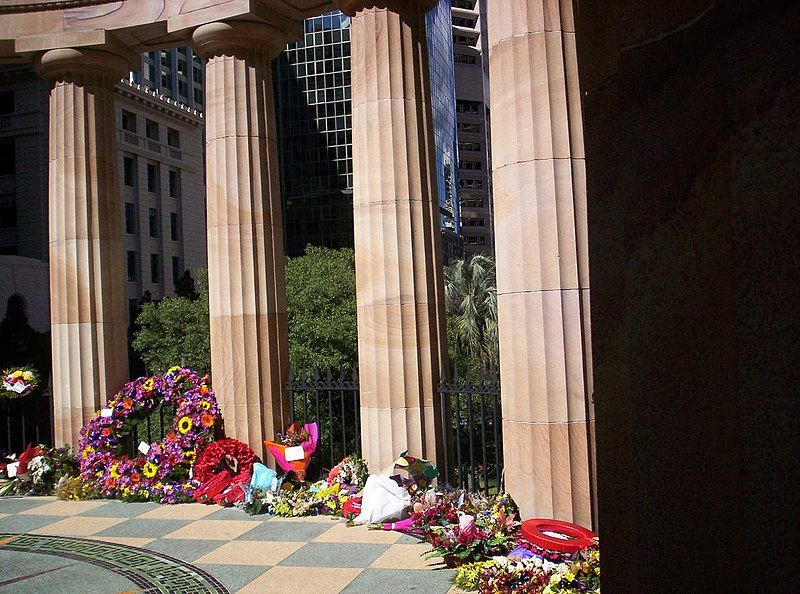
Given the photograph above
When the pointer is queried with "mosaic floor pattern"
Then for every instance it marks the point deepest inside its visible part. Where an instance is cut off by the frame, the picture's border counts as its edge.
(110, 546)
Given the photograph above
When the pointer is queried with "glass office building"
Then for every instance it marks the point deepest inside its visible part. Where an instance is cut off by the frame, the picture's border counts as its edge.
(312, 91)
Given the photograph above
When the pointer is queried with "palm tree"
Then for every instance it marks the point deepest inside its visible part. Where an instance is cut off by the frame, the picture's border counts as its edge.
(471, 304)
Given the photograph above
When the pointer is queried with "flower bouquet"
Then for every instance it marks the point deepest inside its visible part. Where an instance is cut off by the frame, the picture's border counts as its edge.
(293, 449)
(38, 470)
(19, 382)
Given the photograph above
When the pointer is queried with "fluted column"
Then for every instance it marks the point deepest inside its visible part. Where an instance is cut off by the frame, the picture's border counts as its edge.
(247, 295)
(401, 333)
(542, 257)
(87, 298)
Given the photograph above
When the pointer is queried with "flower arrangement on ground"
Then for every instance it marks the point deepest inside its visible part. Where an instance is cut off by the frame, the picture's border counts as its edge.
(491, 531)
(18, 382)
(534, 575)
(162, 472)
(38, 470)
(293, 450)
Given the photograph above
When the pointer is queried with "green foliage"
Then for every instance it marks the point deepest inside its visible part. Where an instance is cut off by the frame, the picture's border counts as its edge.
(76, 488)
(470, 289)
(175, 331)
(321, 307)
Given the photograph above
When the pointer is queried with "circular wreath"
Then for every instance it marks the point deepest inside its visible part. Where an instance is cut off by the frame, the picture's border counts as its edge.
(18, 382)
(222, 455)
(163, 473)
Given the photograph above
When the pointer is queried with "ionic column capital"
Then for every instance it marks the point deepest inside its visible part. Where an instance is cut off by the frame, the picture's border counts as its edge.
(351, 7)
(82, 66)
(242, 39)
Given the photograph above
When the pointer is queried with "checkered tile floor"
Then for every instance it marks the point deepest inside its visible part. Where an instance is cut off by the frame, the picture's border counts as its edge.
(243, 553)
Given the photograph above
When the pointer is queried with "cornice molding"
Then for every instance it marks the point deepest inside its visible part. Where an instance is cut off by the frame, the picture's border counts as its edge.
(12, 6)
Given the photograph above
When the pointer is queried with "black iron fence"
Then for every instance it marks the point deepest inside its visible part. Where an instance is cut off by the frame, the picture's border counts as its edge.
(150, 428)
(332, 401)
(26, 420)
(473, 433)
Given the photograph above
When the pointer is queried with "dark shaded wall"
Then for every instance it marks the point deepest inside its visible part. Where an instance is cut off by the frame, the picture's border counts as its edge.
(692, 131)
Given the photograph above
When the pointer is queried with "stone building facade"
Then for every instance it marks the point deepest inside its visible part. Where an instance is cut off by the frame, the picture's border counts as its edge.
(159, 143)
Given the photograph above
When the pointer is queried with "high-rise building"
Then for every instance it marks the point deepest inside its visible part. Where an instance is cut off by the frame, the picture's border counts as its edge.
(472, 106)
(162, 189)
(312, 91)
(175, 73)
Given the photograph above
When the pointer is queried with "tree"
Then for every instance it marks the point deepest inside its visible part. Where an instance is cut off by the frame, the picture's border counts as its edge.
(175, 331)
(471, 304)
(321, 308)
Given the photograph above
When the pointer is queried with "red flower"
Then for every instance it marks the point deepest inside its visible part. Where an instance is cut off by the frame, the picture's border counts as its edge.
(135, 478)
(106, 431)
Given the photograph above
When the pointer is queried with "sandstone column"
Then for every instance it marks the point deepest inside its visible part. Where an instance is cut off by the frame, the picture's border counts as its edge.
(247, 300)
(87, 299)
(542, 257)
(401, 330)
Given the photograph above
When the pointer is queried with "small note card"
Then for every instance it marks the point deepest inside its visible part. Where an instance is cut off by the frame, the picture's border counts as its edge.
(106, 412)
(144, 448)
(294, 454)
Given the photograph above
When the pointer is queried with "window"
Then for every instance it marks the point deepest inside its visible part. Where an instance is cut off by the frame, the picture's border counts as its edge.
(7, 103)
(478, 240)
(463, 59)
(471, 203)
(182, 66)
(469, 146)
(153, 222)
(463, 39)
(152, 177)
(198, 95)
(151, 129)
(129, 171)
(174, 183)
(130, 218)
(173, 138)
(470, 165)
(183, 88)
(474, 184)
(462, 22)
(8, 211)
(154, 276)
(176, 269)
(174, 226)
(149, 73)
(131, 266)
(164, 58)
(128, 121)
(469, 127)
(470, 107)
(473, 222)
(8, 156)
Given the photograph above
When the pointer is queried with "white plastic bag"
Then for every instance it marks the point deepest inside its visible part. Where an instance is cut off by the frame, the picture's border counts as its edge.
(383, 500)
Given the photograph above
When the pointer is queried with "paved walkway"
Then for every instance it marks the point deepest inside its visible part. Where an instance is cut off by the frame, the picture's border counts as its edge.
(47, 545)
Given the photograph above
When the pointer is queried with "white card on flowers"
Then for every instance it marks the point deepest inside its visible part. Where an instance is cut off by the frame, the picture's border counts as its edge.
(106, 412)
(144, 447)
(294, 454)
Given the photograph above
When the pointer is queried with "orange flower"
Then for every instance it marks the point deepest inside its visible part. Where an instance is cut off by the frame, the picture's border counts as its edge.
(135, 478)
(204, 390)
(110, 483)
(106, 431)
(127, 403)
(207, 420)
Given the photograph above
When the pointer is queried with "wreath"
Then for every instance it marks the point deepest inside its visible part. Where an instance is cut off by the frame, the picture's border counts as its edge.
(225, 454)
(18, 382)
(162, 473)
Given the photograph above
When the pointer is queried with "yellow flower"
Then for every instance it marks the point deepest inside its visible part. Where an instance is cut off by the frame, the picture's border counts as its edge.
(185, 425)
(87, 451)
(27, 376)
(204, 404)
(174, 368)
(148, 384)
(149, 469)
(555, 578)
(190, 456)
(115, 471)
(569, 576)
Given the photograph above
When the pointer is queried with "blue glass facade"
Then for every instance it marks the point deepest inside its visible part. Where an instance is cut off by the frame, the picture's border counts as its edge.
(312, 92)
(443, 105)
